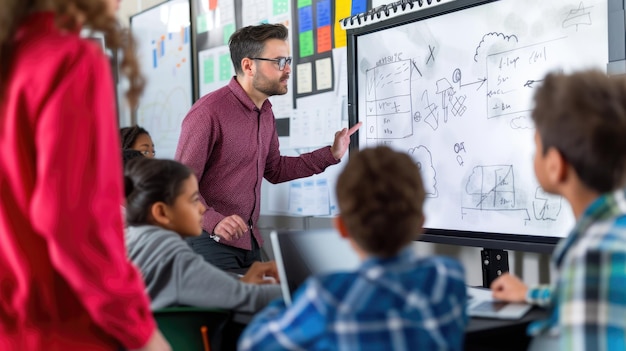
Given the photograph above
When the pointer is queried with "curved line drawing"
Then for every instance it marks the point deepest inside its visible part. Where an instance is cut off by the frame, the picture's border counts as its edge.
(424, 160)
(546, 207)
(492, 34)
(521, 122)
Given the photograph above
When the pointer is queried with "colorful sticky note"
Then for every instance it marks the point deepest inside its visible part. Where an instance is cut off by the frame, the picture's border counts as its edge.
(323, 13)
(305, 19)
(324, 39)
(306, 44)
(225, 67)
(208, 65)
(343, 9)
(227, 31)
(303, 3)
(358, 6)
(202, 24)
(212, 5)
(280, 7)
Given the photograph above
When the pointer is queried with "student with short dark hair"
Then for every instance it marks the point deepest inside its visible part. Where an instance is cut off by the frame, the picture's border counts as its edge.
(580, 142)
(137, 138)
(396, 300)
(162, 208)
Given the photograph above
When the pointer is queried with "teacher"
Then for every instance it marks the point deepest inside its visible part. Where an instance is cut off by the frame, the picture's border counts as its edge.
(229, 140)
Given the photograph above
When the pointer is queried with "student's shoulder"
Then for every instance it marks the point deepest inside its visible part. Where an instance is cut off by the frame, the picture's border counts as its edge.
(335, 283)
(51, 56)
(152, 238)
(71, 50)
(607, 236)
(435, 268)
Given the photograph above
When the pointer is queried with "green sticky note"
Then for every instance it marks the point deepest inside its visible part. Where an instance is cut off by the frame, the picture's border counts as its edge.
(303, 3)
(306, 43)
(281, 6)
(225, 67)
(209, 70)
(202, 24)
(228, 30)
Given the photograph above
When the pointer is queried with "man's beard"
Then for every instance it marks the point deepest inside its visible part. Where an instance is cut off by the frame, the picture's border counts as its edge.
(268, 87)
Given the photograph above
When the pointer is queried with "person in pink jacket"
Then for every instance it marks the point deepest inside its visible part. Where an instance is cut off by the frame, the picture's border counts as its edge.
(65, 281)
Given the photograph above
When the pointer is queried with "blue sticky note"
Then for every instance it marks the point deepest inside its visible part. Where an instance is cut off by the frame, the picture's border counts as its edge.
(323, 13)
(358, 6)
(305, 18)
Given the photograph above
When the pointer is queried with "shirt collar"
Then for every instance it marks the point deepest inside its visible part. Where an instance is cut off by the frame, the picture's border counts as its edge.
(245, 100)
(405, 255)
(606, 206)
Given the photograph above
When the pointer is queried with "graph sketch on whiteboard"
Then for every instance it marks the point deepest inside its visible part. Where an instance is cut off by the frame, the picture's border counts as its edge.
(492, 188)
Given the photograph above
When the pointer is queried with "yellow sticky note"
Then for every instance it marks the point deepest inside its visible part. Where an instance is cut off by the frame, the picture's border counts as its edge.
(342, 10)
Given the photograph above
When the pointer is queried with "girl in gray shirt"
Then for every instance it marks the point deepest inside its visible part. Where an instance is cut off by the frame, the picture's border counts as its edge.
(163, 207)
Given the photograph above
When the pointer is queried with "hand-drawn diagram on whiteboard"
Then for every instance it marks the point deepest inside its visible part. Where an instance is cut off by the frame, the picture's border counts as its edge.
(424, 160)
(163, 36)
(492, 188)
(455, 91)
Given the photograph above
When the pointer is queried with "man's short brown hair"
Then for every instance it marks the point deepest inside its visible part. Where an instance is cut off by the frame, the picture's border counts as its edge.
(250, 41)
(380, 196)
(583, 116)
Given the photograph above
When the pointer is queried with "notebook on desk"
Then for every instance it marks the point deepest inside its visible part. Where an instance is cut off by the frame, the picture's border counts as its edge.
(300, 254)
(481, 304)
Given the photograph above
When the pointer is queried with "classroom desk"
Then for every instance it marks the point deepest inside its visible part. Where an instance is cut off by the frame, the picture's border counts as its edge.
(488, 334)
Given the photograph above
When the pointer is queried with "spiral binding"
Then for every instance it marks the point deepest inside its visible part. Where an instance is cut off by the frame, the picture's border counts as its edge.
(392, 9)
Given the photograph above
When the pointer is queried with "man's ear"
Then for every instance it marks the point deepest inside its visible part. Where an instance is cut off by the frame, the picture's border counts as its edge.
(247, 65)
(341, 227)
(160, 213)
(556, 167)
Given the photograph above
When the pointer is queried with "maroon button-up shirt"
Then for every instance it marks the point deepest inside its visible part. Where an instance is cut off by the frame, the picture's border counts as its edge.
(230, 144)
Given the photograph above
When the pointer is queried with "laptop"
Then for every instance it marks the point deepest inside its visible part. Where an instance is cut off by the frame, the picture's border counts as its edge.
(481, 304)
(300, 254)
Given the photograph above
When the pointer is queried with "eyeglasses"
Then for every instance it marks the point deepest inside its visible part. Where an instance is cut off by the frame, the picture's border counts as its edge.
(147, 153)
(282, 61)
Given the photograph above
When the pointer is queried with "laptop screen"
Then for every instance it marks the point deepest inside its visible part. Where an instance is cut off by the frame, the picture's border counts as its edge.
(300, 254)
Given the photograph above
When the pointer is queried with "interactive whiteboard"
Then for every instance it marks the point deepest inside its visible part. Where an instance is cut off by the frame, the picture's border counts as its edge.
(454, 90)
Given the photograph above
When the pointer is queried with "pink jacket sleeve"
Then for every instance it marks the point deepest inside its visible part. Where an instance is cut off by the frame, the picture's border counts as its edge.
(77, 198)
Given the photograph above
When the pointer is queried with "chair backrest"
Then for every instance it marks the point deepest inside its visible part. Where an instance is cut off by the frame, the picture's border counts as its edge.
(192, 328)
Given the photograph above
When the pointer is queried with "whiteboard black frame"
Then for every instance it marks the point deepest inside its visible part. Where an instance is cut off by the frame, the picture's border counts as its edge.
(517, 242)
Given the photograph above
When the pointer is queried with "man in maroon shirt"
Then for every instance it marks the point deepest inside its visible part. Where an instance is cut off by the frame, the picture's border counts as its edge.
(229, 140)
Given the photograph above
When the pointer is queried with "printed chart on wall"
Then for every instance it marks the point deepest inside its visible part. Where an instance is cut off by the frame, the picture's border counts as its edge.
(163, 37)
(455, 92)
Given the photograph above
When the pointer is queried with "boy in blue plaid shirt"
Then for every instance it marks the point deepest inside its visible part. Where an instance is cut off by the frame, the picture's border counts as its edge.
(581, 146)
(395, 301)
